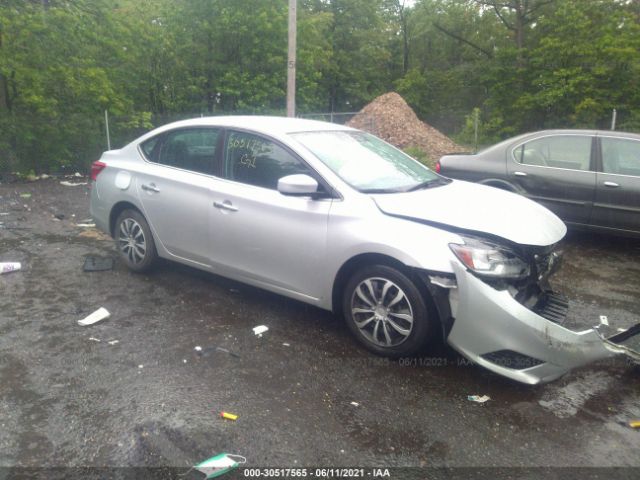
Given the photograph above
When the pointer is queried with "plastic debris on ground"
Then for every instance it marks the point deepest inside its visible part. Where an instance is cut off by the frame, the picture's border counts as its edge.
(260, 329)
(25, 195)
(93, 339)
(604, 320)
(286, 345)
(478, 398)
(213, 348)
(355, 404)
(113, 342)
(86, 225)
(8, 267)
(100, 314)
(635, 424)
(71, 184)
(220, 464)
(97, 264)
(229, 416)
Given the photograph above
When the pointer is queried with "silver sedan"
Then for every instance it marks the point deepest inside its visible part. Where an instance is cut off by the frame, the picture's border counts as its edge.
(339, 219)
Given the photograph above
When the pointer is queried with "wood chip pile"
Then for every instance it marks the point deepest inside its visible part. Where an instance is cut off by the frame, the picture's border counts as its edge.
(390, 118)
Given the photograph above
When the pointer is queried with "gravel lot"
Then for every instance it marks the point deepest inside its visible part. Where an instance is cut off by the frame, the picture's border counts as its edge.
(151, 400)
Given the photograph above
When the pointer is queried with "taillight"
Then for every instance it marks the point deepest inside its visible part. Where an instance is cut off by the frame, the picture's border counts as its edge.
(96, 168)
(438, 166)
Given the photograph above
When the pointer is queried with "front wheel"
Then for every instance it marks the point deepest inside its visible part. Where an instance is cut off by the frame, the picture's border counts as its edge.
(134, 241)
(386, 311)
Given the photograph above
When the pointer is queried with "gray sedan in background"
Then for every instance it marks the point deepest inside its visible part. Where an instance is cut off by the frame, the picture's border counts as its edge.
(589, 178)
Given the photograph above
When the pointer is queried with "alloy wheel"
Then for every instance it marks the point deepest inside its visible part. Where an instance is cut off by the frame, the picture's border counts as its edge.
(382, 312)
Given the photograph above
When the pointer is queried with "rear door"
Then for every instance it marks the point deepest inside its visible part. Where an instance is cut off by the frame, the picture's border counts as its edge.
(557, 171)
(174, 190)
(617, 203)
(259, 234)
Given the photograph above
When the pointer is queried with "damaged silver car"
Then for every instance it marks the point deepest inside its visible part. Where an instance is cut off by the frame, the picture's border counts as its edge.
(337, 218)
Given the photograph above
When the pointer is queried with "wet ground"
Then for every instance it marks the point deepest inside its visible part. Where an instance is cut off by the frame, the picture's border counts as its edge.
(67, 399)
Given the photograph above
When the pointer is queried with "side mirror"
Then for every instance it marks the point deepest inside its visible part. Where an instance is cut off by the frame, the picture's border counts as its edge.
(298, 185)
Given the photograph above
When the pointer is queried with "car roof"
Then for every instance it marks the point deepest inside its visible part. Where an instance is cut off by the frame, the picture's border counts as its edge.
(259, 123)
(565, 131)
(570, 131)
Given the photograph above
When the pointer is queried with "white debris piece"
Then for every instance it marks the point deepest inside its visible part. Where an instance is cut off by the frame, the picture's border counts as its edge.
(7, 267)
(113, 342)
(93, 339)
(86, 225)
(198, 348)
(260, 329)
(604, 320)
(355, 404)
(95, 317)
(71, 184)
(286, 345)
(478, 399)
(140, 366)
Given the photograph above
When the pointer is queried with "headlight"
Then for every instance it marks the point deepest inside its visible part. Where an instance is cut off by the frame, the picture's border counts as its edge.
(490, 259)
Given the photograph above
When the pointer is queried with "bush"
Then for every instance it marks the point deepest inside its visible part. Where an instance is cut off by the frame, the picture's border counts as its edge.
(421, 156)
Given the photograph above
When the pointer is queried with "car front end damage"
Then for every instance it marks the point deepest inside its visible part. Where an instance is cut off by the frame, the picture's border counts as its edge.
(505, 317)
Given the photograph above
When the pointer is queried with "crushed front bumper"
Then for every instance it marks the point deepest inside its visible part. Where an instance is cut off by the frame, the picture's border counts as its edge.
(495, 331)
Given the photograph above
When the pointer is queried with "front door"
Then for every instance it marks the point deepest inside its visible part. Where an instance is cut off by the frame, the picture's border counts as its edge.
(558, 172)
(259, 234)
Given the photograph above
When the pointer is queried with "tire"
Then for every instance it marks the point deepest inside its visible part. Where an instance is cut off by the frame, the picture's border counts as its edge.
(134, 241)
(386, 312)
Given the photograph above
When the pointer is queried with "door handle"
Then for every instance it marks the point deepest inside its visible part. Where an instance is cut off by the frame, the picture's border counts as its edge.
(611, 184)
(150, 188)
(226, 205)
(520, 174)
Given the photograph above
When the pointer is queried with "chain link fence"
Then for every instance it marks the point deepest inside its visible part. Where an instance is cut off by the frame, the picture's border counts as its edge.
(58, 145)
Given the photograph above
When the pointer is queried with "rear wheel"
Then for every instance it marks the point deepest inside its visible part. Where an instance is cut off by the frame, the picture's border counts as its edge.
(134, 241)
(386, 311)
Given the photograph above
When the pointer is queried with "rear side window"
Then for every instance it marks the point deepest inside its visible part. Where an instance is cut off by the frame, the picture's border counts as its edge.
(255, 160)
(190, 149)
(562, 151)
(621, 156)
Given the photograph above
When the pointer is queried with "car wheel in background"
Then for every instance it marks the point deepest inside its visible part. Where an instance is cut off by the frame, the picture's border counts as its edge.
(134, 241)
(386, 311)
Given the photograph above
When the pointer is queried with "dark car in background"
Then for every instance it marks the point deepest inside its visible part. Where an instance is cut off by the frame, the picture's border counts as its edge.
(589, 178)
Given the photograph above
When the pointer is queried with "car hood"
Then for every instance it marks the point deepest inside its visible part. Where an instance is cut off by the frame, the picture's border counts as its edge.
(470, 206)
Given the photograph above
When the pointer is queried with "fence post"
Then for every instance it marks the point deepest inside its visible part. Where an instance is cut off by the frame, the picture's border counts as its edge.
(476, 113)
(613, 119)
(106, 123)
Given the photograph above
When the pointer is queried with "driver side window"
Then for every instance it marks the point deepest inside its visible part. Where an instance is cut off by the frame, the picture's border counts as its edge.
(255, 160)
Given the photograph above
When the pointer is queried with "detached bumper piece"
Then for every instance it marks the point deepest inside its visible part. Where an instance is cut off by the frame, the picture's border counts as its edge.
(626, 342)
(529, 345)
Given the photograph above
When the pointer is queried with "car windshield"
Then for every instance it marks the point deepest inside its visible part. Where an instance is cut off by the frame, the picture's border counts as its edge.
(367, 163)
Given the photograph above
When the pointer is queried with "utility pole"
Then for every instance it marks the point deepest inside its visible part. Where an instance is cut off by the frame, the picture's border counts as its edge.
(291, 64)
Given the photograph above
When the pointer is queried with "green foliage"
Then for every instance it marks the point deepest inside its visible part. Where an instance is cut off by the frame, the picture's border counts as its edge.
(473, 139)
(420, 155)
(559, 63)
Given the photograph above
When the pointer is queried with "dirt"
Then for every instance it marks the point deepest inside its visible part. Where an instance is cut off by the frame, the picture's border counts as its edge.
(392, 119)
